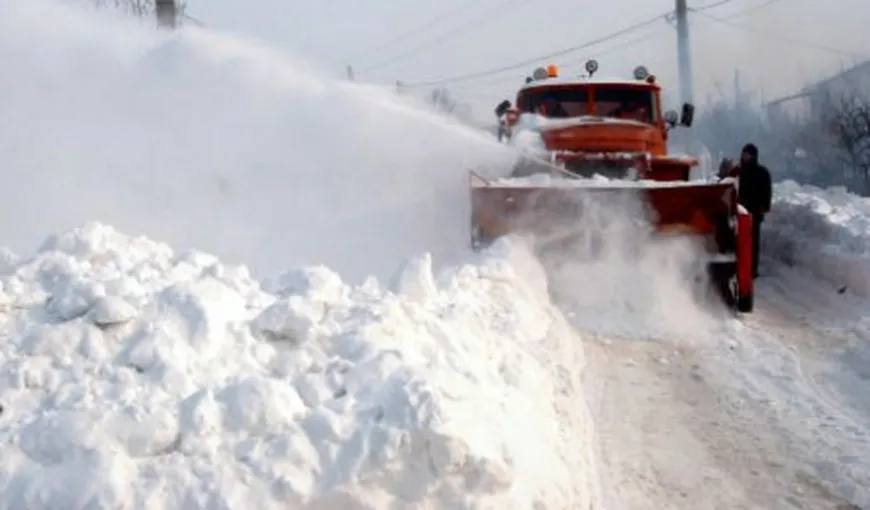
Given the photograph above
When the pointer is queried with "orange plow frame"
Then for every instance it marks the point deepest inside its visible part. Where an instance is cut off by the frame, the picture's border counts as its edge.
(708, 210)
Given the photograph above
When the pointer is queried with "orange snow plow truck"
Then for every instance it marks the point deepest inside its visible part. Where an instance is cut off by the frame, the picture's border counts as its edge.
(587, 137)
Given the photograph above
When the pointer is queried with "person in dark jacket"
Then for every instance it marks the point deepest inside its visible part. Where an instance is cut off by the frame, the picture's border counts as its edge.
(755, 192)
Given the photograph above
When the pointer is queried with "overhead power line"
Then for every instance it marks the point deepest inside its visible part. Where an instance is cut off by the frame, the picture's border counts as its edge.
(534, 60)
(500, 8)
(624, 44)
(572, 62)
(711, 6)
(414, 31)
(193, 20)
(773, 35)
(741, 12)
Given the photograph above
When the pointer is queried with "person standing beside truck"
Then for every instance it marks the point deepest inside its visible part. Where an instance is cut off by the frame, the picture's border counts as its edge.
(755, 192)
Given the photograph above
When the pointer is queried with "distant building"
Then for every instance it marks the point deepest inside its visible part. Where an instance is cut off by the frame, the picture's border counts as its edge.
(813, 99)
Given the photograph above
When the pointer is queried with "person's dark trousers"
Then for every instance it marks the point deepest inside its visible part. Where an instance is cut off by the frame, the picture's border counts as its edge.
(756, 242)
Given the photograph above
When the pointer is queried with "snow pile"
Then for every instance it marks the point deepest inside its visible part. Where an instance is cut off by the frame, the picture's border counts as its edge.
(135, 377)
(216, 142)
(825, 230)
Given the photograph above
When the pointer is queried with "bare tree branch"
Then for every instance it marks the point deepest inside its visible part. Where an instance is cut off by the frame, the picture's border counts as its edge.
(138, 8)
(829, 145)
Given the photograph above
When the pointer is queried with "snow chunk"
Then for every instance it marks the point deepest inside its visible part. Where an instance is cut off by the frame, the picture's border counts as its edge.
(258, 405)
(292, 319)
(318, 282)
(415, 281)
(111, 311)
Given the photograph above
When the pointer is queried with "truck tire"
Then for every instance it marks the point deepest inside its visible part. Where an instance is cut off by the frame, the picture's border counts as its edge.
(746, 304)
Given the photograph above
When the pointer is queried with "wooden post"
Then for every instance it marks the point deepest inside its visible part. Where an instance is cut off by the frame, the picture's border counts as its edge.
(167, 13)
(684, 55)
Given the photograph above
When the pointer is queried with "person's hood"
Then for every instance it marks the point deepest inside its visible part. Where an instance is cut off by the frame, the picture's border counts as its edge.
(752, 150)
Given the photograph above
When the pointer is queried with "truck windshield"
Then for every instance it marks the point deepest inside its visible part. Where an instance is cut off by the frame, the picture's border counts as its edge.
(610, 101)
(555, 102)
(625, 103)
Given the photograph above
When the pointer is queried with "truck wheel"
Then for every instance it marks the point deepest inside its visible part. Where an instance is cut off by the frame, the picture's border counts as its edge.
(746, 304)
(480, 241)
(723, 278)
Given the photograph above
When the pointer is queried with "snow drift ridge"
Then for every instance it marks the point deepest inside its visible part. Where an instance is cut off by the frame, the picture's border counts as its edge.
(823, 230)
(135, 377)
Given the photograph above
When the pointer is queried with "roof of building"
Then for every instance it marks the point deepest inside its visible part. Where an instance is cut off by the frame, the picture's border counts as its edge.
(856, 70)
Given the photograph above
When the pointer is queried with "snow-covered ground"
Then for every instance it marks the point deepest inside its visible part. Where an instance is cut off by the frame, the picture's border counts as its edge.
(135, 374)
(824, 230)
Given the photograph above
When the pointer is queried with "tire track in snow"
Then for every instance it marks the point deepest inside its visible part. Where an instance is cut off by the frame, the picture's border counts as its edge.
(802, 316)
(700, 423)
(787, 357)
(671, 436)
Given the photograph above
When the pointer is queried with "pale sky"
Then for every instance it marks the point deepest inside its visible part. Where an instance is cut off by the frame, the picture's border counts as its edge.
(778, 45)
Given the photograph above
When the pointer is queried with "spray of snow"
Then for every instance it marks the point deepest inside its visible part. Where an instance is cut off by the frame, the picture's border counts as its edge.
(613, 275)
(220, 143)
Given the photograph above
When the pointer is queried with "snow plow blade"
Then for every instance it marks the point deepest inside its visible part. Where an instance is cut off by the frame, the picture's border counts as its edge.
(705, 210)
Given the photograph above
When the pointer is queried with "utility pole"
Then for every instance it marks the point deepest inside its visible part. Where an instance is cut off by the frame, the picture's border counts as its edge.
(167, 13)
(737, 91)
(684, 62)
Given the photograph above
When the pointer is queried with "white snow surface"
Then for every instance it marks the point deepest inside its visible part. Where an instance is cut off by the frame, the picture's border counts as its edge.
(135, 377)
(824, 230)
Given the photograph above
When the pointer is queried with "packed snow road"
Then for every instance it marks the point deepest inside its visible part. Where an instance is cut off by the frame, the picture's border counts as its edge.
(684, 426)
(768, 411)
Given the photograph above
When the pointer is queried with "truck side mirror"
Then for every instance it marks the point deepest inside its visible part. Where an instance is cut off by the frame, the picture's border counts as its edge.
(502, 107)
(688, 114)
(671, 117)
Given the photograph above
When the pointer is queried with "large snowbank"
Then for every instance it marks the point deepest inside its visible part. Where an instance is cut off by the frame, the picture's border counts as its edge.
(825, 230)
(135, 377)
(218, 142)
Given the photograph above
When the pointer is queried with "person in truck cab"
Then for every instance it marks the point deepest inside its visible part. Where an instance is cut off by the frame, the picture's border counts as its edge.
(755, 192)
(629, 110)
(634, 111)
(553, 108)
(502, 115)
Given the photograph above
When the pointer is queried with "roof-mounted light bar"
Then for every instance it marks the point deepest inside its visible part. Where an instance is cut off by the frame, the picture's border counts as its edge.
(591, 66)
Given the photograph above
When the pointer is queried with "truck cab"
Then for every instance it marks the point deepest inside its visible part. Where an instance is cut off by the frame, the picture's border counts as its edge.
(588, 125)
